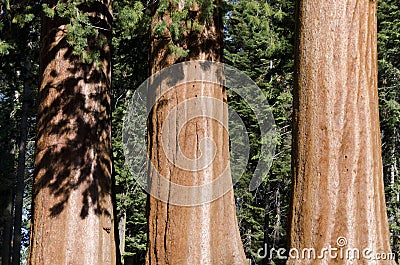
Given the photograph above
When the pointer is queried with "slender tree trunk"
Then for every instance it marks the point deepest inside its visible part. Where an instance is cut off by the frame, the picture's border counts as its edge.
(19, 187)
(7, 228)
(395, 197)
(204, 234)
(278, 214)
(73, 220)
(337, 165)
(7, 191)
(121, 232)
(267, 222)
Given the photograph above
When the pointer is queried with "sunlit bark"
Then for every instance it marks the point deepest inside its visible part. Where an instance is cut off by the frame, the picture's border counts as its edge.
(204, 234)
(337, 166)
(73, 221)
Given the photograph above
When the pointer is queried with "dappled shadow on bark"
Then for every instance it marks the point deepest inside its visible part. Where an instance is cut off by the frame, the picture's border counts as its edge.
(73, 152)
(72, 194)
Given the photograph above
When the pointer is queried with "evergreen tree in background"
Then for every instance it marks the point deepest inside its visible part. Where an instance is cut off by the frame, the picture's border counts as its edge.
(389, 106)
(130, 69)
(18, 51)
(258, 39)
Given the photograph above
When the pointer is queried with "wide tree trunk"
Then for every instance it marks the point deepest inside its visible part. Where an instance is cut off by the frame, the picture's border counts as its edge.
(73, 220)
(337, 166)
(194, 234)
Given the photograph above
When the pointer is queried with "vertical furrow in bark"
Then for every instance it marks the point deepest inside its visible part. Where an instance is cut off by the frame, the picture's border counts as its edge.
(337, 165)
(204, 234)
(72, 206)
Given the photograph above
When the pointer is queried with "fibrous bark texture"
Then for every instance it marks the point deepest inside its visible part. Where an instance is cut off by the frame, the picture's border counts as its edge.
(73, 213)
(338, 194)
(208, 233)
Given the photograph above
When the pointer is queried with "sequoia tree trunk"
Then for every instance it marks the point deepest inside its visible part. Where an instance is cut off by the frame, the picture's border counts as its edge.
(208, 233)
(338, 195)
(72, 211)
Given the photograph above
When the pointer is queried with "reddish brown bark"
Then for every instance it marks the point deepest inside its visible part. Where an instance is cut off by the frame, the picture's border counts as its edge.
(204, 234)
(73, 214)
(337, 165)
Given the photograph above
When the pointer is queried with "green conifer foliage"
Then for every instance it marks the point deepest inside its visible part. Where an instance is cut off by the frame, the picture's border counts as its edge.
(389, 106)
